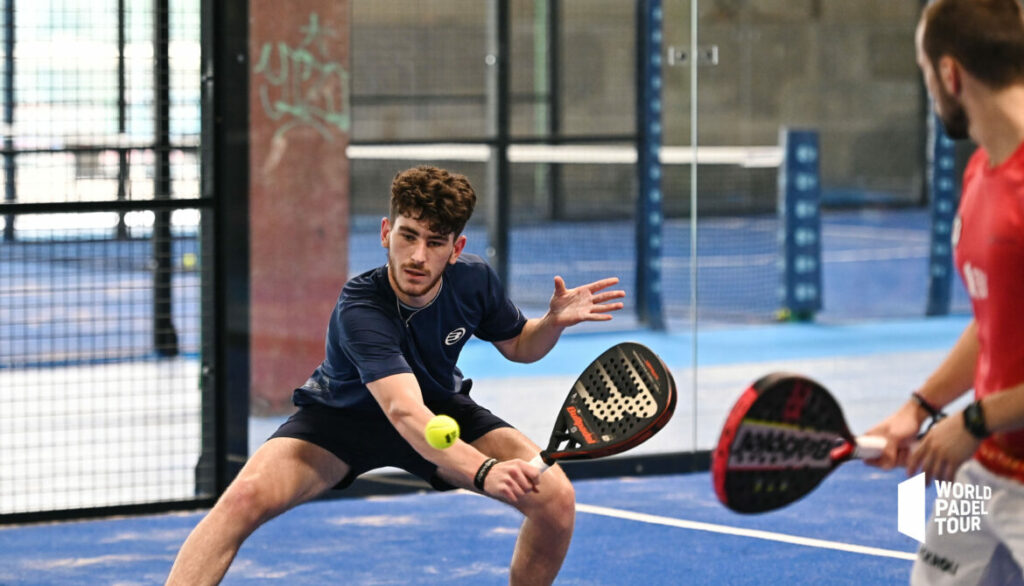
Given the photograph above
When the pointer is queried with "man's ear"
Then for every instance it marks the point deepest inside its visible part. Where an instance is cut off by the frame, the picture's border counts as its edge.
(460, 244)
(949, 75)
(385, 232)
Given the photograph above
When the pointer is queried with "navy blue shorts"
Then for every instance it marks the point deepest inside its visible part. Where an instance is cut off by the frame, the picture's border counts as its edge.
(366, 440)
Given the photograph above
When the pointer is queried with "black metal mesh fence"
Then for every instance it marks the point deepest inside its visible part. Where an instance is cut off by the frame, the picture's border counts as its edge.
(101, 262)
(845, 70)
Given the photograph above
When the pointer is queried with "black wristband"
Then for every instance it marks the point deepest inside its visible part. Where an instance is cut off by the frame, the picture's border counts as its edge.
(974, 421)
(481, 474)
(934, 413)
(931, 409)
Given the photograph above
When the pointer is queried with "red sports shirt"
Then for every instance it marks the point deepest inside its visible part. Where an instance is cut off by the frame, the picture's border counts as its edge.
(988, 237)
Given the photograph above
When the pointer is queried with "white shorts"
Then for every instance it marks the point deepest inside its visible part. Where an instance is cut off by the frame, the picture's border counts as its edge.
(989, 552)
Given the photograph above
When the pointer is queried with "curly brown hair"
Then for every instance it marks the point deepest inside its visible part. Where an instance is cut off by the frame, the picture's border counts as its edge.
(445, 200)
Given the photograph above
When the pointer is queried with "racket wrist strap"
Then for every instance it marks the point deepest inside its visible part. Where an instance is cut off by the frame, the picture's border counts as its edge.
(481, 473)
(925, 404)
(974, 421)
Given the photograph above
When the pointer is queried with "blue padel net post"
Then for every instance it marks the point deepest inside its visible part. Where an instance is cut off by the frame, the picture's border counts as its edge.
(800, 214)
(649, 208)
(942, 196)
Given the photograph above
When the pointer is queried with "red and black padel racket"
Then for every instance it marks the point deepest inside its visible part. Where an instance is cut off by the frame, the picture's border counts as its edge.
(622, 399)
(784, 435)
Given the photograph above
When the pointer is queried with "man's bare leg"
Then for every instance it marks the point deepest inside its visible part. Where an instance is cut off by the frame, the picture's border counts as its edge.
(550, 513)
(282, 474)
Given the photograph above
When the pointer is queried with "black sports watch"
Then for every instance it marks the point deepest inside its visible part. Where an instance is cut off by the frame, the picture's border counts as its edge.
(974, 421)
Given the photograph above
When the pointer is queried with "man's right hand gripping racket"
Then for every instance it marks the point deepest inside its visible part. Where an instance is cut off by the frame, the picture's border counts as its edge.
(623, 398)
(784, 435)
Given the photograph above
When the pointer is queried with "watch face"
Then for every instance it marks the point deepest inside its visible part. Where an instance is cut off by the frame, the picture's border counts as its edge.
(974, 420)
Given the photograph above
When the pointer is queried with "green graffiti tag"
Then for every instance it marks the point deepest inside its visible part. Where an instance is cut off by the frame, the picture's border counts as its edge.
(303, 88)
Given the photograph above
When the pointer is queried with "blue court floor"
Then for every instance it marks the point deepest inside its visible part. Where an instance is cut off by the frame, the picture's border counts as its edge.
(630, 530)
(646, 530)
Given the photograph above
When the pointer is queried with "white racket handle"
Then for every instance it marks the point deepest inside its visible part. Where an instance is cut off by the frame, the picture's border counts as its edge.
(538, 463)
(869, 447)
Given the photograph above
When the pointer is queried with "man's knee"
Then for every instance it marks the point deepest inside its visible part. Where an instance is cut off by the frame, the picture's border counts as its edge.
(556, 502)
(249, 503)
(564, 497)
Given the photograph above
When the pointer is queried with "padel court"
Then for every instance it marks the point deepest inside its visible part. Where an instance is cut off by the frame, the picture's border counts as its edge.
(632, 529)
(189, 183)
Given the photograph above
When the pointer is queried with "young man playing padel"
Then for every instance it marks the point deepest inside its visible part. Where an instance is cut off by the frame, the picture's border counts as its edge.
(392, 345)
(971, 53)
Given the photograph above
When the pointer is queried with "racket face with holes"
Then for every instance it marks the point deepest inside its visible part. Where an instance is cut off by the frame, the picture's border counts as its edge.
(781, 439)
(623, 398)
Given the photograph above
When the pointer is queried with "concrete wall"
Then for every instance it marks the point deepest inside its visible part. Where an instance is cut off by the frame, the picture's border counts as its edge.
(845, 67)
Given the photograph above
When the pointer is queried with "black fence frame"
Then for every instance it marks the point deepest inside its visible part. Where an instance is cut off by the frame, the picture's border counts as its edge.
(224, 186)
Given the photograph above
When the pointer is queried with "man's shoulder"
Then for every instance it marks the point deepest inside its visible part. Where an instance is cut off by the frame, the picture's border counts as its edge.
(366, 289)
(472, 271)
(472, 262)
(976, 163)
(475, 265)
(366, 283)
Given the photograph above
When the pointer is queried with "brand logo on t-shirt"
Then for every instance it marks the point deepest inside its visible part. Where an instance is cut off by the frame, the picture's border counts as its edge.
(976, 281)
(454, 336)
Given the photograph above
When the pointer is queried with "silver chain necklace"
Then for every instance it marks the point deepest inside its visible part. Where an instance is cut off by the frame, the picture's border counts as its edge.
(399, 305)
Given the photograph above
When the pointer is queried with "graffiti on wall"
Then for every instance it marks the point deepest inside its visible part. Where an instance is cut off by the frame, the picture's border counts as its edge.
(302, 85)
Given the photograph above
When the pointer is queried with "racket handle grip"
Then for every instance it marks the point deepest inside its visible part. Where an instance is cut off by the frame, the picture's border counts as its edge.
(869, 447)
(539, 463)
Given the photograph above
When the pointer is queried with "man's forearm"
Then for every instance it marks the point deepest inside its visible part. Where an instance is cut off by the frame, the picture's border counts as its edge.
(536, 339)
(398, 397)
(461, 457)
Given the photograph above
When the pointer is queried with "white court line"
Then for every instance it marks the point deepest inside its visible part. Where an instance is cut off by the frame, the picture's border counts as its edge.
(753, 533)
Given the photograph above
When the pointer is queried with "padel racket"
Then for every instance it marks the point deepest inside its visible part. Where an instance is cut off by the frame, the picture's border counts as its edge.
(622, 399)
(784, 435)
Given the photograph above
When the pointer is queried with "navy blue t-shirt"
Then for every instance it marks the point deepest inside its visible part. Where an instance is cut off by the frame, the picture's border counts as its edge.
(371, 336)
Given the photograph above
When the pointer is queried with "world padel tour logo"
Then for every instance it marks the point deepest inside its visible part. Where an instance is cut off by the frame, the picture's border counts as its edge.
(959, 507)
